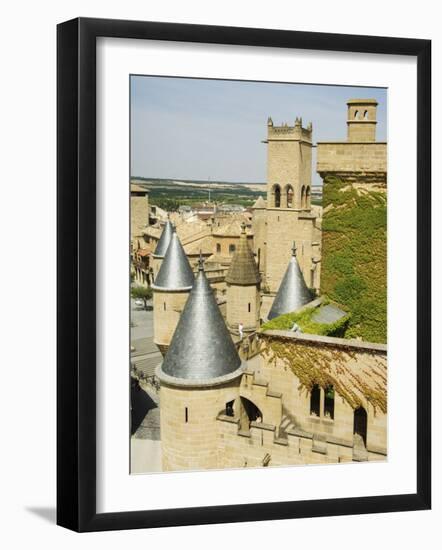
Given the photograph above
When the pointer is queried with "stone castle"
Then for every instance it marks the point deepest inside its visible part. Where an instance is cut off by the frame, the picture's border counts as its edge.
(235, 392)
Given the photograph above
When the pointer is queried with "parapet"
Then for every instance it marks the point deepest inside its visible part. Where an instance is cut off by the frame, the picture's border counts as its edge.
(289, 133)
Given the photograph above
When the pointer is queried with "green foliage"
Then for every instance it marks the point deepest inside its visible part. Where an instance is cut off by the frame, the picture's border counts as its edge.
(305, 323)
(171, 205)
(354, 256)
(170, 194)
(142, 293)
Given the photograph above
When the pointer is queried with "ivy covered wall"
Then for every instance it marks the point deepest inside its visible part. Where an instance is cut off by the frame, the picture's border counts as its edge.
(354, 256)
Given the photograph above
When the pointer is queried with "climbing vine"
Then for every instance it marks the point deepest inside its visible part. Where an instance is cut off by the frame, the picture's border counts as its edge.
(325, 365)
(354, 256)
(304, 320)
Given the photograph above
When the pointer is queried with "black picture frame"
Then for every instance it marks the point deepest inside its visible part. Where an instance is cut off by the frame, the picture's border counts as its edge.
(76, 273)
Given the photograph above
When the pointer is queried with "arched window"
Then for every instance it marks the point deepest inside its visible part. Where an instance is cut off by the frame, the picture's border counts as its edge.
(249, 413)
(365, 115)
(360, 424)
(232, 248)
(229, 408)
(276, 196)
(329, 402)
(315, 400)
(218, 248)
(303, 196)
(356, 114)
(289, 192)
(307, 198)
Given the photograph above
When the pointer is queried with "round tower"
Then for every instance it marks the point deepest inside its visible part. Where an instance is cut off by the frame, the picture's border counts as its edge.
(243, 288)
(170, 292)
(293, 292)
(200, 378)
(161, 248)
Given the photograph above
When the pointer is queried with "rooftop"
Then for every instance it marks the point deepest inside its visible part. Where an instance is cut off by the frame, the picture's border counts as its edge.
(202, 350)
(293, 292)
(243, 269)
(163, 243)
(175, 272)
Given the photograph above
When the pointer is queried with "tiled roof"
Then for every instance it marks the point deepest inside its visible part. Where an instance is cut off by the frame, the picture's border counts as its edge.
(243, 269)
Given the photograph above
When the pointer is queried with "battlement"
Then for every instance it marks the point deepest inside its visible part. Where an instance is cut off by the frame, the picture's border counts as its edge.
(265, 444)
(286, 132)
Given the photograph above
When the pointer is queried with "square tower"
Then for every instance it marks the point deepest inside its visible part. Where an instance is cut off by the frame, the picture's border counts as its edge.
(361, 120)
(289, 165)
(288, 211)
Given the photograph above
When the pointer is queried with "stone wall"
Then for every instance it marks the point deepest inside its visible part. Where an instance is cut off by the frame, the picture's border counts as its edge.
(287, 432)
(362, 367)
(139, 214)
(167, 308)
(283, 227)
(199, 433)
(259, 227)
(242, 306)
(190, 436)
(222, 244)
(353, 162)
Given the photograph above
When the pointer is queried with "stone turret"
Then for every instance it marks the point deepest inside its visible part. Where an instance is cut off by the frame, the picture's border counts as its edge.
(243, 285)
(288, 216)
(199, 377)
(161, 248)
(361, 120)
(293, 292)
(171, 290)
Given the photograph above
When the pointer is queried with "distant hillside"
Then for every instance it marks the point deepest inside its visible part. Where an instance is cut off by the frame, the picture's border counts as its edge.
(354, 256)
(196, 182)
(170, 194)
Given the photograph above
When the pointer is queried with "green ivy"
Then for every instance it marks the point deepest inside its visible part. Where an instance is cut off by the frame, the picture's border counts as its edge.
(306, 325)
(354, 256)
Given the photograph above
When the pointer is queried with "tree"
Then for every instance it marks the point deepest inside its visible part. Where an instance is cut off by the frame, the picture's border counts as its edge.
(142, 293)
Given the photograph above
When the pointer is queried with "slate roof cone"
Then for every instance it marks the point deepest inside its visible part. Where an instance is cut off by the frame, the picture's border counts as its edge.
(163, 243)
(175, 272)
(293, 292)
(243, 270)
(202, 350)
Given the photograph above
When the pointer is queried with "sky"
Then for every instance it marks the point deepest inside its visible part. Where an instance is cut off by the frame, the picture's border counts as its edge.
(185, 128)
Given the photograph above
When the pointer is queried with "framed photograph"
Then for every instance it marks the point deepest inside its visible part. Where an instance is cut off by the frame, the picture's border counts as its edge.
(243, 274)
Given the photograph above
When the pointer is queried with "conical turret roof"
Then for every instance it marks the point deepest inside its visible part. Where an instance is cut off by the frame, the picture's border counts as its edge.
(201, 350)
(175, 272)
(259, 203)
(243, 269)
(163, 243)
(293, 292)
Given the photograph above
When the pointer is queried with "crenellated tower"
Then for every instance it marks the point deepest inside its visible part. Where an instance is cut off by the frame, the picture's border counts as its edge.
(289, 213)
